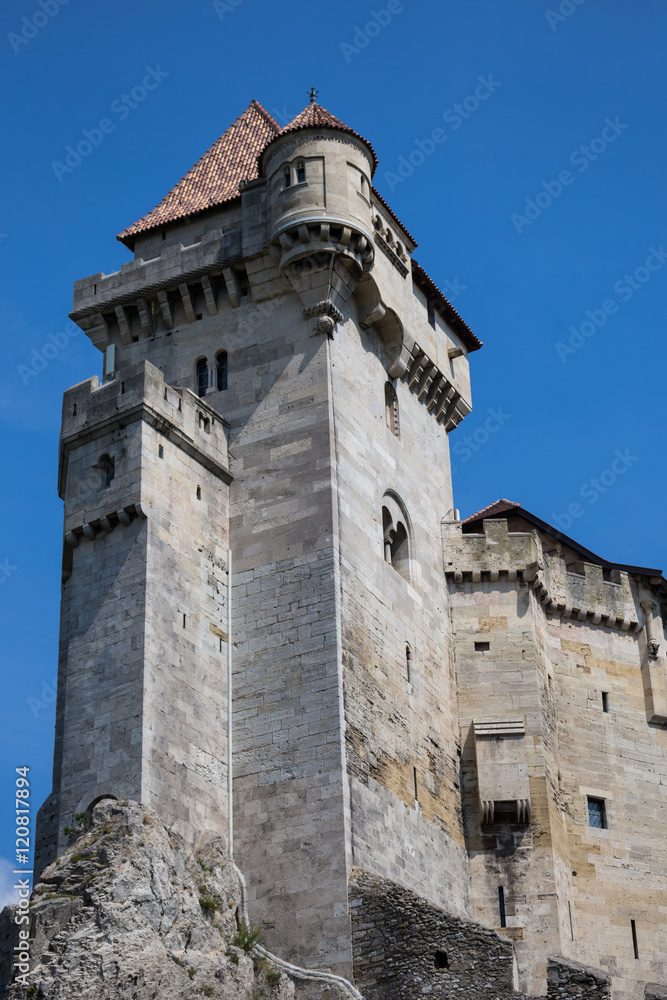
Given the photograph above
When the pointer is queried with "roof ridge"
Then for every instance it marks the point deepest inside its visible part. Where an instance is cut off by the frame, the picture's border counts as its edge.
(267, 114)
(213, 179)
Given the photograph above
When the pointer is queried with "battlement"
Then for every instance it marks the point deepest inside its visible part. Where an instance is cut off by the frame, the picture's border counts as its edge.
(96, 418)
(584, 595)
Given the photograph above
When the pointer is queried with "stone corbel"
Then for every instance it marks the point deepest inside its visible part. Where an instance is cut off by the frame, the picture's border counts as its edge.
(372, 314)
(165, 309)
(653, 638)
(123, 325)
(145, 317)
(96, 329)
(233, 288)
(207, 288)
(188, 308)
(327, 316)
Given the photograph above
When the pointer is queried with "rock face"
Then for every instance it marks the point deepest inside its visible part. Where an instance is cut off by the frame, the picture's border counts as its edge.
(126, 914)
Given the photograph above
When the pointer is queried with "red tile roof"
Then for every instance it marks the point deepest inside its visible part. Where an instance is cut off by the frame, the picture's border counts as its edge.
(392, 213)
(457, 323)
(315, 116)
(215, 177)
(501, 507)
(494, 508)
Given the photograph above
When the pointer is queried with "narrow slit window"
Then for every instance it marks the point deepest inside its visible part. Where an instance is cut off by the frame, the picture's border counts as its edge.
(569, 910)
(108, 469)
(635, 945)
(597, 814)
(430, 309)
(300, 172)
(202, 376)
(605, 701)
(183, 621)
(501, 906)
(408, 660)
(221, 370)
(199, 493)
(414, 775)
(391, 409)
(160, 451)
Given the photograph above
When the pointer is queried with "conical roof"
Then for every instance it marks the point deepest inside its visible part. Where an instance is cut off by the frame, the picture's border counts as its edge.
(215, 177)
(315, 116)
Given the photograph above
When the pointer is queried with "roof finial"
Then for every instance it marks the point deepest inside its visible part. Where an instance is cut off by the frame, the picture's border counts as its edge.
(314, 94)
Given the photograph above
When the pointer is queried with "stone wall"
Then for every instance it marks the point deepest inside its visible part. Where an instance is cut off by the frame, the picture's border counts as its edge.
(558, 653)
(404, 947)
(142, 683)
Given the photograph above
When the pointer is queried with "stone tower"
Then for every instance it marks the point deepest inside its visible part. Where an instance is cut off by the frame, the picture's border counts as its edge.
(280, 379)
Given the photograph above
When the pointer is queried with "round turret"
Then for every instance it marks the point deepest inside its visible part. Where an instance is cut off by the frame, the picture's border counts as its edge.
(319, 209)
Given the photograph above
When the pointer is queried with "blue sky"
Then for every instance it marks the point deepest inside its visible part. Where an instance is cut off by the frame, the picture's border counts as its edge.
(540, 210)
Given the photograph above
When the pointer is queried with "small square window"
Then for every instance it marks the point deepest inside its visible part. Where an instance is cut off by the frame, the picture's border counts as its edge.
(597, 815)
(482, 647)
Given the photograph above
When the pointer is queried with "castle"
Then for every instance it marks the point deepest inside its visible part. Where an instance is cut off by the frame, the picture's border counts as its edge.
(471, 710)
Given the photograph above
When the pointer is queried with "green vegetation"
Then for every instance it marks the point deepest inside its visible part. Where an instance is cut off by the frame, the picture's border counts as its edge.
(247, 936)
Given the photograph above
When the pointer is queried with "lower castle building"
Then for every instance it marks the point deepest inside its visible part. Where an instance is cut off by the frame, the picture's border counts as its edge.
(472, 711)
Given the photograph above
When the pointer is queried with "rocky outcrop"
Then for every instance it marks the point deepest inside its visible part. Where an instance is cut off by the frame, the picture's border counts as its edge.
(126, 914)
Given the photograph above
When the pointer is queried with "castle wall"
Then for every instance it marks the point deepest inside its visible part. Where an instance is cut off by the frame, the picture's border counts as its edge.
(125, 723)
(556, 641)
(615, 755)
(507, 682)
(400, 719)
(290, 800)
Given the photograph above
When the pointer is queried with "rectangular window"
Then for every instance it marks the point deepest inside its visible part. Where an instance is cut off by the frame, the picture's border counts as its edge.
(501, 906)
(605, 701)
(430, 308)
(597, 817)
(482, 647)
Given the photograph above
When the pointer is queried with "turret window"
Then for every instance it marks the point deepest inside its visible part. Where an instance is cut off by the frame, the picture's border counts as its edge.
(202, 376)
(300, 172)
(287, 177)
(221, 370)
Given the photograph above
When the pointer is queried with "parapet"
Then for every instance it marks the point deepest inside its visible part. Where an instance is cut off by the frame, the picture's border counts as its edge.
(584, 595)
(94, 412)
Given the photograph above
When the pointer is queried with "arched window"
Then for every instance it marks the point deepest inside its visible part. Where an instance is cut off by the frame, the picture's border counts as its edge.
(300, 172)
(391, 409)
(107, 470)
(287, 176)
(221, 370)
(396, 535)
(202, 376)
